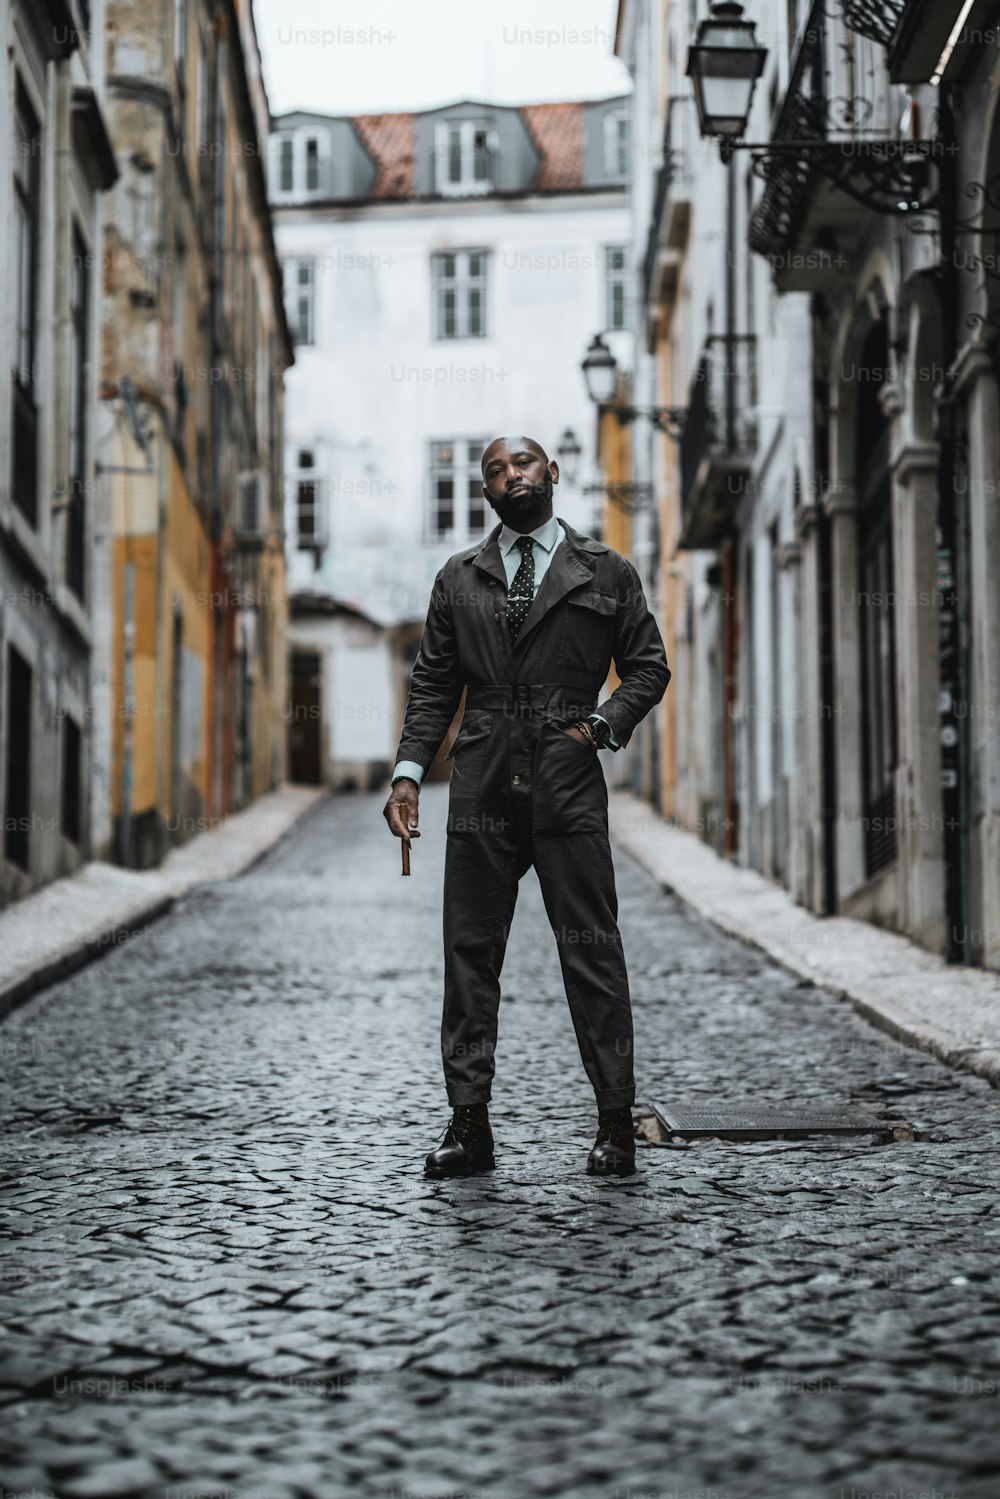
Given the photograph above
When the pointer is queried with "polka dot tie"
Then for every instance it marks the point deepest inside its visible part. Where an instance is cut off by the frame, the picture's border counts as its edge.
(522, 588)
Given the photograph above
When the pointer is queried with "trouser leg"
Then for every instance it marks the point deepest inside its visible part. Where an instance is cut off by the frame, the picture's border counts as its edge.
(481, 874)
(577, 877)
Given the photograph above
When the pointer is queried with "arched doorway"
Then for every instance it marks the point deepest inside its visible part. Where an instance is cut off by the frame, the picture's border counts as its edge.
(876, 601)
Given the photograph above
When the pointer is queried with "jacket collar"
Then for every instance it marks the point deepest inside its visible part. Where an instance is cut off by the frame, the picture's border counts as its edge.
(572, 564)
(487, 553)
(546, 535)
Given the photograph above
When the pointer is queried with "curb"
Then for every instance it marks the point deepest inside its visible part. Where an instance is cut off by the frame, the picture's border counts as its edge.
(79, 954)
(885, 1014)
(148, 908)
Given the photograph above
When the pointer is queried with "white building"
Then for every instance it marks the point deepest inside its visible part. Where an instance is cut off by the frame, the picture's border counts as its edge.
(444, 272)
(830, 532)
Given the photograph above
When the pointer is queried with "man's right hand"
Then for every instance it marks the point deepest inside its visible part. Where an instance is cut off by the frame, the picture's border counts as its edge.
(402, 810)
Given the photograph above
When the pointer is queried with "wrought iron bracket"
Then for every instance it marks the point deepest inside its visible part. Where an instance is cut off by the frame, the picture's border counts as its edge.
(668, 419)
(886, 176)
(629, 497)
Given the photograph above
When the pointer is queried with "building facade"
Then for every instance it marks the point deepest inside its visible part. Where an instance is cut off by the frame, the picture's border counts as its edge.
(58, 166)
(826, 316)
(443, 274)
(194, 348)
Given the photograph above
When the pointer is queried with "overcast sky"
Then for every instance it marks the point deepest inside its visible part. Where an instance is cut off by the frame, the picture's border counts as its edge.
(368, 56)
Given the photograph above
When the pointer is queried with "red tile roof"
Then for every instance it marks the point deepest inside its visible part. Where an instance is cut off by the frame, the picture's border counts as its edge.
(556, 129)
(390, 139)
(558, 133)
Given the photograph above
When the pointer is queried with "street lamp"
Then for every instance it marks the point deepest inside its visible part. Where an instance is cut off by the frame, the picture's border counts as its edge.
(568, 452)
(600, 370)
(724, 63)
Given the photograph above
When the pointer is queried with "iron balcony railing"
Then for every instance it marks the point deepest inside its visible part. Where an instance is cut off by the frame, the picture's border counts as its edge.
(875, 19)
(721, 423)
(25, 452)
(670, 173)
(803, 117)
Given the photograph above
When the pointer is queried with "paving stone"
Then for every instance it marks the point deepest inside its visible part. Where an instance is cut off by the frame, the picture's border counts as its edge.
(280, 1303)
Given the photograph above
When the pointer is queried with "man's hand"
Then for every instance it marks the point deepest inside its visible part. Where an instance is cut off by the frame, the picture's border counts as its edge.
(402, 810)
(577, 734)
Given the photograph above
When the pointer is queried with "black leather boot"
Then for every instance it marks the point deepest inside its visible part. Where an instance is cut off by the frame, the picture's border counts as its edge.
(467, 1145)
(614, 1149)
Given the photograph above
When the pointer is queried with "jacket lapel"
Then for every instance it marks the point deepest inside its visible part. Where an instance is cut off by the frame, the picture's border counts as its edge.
(572, 564)
(488, 556)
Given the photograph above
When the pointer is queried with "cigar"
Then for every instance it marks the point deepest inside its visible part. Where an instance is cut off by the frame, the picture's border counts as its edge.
(406, 855)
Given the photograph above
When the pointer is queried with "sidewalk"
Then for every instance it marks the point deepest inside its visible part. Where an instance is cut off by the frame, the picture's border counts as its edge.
(913, 994)
(66, 924)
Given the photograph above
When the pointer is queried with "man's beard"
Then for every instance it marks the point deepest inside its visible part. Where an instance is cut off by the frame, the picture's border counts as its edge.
(527, 511)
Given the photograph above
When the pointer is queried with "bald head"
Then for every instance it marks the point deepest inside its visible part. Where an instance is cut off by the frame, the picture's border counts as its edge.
(515, 445)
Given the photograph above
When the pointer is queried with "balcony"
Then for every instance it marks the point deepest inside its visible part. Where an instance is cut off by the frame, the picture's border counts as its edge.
(719, 440)
(669, 220)
(834, 161)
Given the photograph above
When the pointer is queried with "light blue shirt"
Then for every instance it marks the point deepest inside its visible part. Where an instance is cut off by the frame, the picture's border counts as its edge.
(546, 538)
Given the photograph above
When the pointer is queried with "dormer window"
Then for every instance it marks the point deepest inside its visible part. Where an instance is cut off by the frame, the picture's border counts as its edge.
(616, 144)
(302, 159)
(464, 152)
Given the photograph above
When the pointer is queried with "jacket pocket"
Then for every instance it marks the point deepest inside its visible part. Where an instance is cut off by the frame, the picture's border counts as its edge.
(589, 598)
(473, 726)
(587, 632)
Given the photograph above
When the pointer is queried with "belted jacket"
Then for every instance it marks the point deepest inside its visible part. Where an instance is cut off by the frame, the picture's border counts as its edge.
(589, 611)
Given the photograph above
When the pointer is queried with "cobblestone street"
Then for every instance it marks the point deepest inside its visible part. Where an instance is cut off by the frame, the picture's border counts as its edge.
(226, 1275)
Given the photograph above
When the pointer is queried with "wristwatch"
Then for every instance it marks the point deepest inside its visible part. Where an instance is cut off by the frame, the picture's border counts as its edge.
(602, 730)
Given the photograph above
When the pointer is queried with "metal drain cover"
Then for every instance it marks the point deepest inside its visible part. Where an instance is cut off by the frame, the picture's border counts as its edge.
(762, 1121)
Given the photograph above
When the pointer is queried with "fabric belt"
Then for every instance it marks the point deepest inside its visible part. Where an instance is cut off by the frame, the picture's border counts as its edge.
(531, 697)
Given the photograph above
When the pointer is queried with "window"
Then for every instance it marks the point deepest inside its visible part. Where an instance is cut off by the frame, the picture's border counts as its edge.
(300, 287)
(616, 277)
(201, 104)
(616, 144)
(17, 818)
(286, 164)
(308, 527)
(180, 38)
(312, 164)
(27, 152)
(464, 151)
(458, 509)
(79, 331)
(460, 294)
(70, 817)
(249, 492)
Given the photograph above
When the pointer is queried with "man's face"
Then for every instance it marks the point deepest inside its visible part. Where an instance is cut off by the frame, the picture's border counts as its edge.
(518, 480)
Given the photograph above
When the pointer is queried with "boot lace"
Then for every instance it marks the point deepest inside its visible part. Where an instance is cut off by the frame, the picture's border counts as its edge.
(616, 1128)
(465, 1123)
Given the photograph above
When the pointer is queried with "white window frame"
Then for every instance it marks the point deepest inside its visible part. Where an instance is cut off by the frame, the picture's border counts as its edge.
(308, 474)
(468, 181)
(285, 143)
(617, 278)
(465, 471)
(293, 289)
(463, 283)
(613, 143)
(317, 140)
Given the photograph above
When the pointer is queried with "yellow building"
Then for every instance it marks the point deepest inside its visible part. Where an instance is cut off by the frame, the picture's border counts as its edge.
(194, 346)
